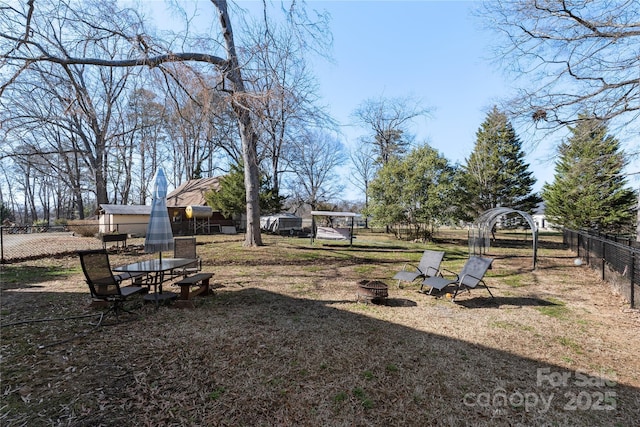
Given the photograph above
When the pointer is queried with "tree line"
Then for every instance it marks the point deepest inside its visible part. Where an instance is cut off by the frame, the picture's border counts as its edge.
(93, 99)
(95, 96)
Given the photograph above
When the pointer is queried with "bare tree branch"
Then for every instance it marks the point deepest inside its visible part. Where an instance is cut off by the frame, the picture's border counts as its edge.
(573, 56)
(133, 62)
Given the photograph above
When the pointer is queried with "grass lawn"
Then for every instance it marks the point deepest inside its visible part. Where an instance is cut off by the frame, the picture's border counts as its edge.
(284, 342)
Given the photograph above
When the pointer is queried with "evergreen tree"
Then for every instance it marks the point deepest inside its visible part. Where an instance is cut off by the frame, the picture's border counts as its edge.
(415, 190)
(589, 189)
(5, 214)
(230, 197)
(495, 173)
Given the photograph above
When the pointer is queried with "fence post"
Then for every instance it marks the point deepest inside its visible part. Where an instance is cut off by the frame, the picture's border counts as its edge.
(633, 274)
(604, 257)
(1, 244)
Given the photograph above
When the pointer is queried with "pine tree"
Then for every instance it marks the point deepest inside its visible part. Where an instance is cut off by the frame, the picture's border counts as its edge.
(589, 188)
(495, 173)
(230, 198)
(5, 214)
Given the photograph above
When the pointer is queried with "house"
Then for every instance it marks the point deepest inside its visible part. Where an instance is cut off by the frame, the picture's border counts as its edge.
(540, 219)
(189, 212)
(191, 193)
(130, 219)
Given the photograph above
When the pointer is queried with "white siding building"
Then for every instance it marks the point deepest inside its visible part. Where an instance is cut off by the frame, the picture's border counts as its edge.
(130, 219)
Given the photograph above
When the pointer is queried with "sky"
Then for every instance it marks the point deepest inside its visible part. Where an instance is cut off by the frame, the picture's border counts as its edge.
(435, 51)
(430, 50)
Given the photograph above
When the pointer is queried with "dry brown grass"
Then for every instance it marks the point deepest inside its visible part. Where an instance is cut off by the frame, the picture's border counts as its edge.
(283, 342)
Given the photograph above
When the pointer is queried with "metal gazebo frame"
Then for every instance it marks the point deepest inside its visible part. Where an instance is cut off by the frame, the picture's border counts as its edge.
(480, 232)
(351, 215)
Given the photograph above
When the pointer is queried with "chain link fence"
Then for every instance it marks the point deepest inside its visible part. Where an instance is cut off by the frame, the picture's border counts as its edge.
(21, 243)
(617, 259)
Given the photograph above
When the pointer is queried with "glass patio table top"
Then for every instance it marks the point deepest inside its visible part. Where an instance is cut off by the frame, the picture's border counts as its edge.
(156, 268)
(155, 265)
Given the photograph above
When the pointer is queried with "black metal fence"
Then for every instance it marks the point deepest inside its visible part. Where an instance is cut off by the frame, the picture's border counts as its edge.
(617, 259)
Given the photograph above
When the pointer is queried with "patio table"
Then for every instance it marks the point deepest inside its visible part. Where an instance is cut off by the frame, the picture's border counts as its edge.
(156, 268)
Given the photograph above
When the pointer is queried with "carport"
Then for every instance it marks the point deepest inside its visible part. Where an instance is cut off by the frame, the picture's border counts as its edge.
(332, 233)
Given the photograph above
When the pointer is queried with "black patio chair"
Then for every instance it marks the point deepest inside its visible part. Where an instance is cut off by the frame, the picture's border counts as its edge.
(104, 285)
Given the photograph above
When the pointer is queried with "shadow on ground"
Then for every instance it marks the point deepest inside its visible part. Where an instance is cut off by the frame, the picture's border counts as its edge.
(255, 357)
(498, 302)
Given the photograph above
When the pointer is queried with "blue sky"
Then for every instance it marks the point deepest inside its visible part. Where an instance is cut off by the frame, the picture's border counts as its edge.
(432, 50)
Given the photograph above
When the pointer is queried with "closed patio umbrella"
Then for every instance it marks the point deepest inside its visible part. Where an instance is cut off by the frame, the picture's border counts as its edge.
(159, 235)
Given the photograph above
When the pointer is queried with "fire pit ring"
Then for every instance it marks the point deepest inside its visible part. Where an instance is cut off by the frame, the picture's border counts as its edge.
(372, 290)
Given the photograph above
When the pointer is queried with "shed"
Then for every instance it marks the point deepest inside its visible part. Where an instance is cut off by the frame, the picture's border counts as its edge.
(130, 219)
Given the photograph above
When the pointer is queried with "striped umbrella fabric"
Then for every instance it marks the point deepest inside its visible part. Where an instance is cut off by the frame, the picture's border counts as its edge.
(159, 235)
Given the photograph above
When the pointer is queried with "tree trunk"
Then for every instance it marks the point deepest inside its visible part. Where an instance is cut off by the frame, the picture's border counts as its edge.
(248, 135)
(251, 180)
(101, 180)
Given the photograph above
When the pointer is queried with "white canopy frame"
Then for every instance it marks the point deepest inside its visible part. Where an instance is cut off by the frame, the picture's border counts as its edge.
(480, 232)
(314, 229)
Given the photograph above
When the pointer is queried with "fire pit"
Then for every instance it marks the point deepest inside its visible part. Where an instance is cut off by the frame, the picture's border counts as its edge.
(372, 290)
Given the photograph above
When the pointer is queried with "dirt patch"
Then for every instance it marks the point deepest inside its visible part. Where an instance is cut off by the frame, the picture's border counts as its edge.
(283, 341)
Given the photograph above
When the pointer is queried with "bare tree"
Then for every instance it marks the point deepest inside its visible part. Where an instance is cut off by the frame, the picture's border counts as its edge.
(145, 117)
(192, 123)
(388, 120)
(364, 170)
(74, 97)
(9, 177)
(39, 119)
(25, 42)
(574, 56)
(277, 69)
(314, 160)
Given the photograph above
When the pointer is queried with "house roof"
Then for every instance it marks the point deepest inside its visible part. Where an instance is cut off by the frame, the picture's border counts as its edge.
(191, 193)
(125, 209)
